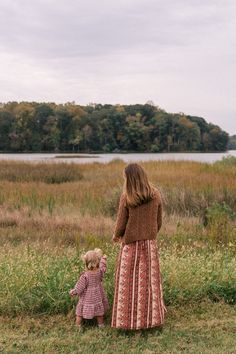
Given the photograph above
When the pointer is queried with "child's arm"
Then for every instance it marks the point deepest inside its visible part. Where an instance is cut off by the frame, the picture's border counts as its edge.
(103, 264)
(80, 286)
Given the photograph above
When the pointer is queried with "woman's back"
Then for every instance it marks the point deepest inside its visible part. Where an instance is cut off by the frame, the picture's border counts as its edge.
(141, 222)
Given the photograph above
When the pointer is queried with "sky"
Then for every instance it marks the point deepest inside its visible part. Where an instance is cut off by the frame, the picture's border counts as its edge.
(180, 54)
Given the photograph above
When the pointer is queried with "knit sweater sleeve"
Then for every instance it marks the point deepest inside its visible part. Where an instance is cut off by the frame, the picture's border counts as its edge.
(159, 216)
(122, 218)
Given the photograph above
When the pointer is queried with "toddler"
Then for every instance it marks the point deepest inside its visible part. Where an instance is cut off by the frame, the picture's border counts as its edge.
(92, 298)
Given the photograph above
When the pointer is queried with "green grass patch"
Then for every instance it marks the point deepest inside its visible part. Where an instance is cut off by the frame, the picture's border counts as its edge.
(205, 328)
(37, 280)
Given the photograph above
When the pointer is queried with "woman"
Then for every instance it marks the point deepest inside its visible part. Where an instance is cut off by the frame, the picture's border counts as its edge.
(138, 301)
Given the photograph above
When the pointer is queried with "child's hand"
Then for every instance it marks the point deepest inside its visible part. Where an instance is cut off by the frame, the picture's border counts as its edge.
(99, 252)
(72, 292)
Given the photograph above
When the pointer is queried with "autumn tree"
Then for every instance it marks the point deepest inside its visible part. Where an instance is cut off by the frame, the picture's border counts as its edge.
(32, 126)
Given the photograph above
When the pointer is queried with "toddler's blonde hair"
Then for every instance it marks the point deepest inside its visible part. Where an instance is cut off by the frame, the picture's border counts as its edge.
(92, 258)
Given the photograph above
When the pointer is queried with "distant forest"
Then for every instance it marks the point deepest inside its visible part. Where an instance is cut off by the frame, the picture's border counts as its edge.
(50, 127)
(232, 142)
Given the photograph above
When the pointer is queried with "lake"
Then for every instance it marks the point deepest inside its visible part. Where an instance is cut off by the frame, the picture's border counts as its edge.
(104, 158)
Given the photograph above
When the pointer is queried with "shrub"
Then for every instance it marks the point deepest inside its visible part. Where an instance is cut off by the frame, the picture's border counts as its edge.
(40, 172)
(219, 223)
(112, 201)
(227, 161)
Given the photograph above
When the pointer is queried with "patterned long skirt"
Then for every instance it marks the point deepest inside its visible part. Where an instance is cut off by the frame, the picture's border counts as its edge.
(138, 300)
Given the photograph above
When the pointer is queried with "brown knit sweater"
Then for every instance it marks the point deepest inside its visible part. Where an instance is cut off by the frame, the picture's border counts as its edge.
(140, 223)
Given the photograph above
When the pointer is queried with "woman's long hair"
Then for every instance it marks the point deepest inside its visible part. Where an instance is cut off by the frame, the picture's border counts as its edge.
(137, 188)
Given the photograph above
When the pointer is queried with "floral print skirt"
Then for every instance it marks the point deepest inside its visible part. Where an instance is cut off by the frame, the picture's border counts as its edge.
(138, 300)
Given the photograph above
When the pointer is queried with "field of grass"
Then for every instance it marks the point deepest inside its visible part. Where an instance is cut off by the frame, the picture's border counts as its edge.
(50, 213)
(203, 328)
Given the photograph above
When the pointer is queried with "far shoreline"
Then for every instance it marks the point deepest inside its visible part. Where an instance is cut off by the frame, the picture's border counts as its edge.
(95, 153)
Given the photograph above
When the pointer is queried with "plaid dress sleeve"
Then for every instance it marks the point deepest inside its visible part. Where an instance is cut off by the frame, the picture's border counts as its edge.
(80, 285)
(103, 266)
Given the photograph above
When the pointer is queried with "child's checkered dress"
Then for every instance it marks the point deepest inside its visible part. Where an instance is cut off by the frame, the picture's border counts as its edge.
(93, 300)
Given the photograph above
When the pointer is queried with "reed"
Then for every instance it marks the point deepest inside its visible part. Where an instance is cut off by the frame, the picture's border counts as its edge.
(33, 172)
(45, 225)
(37, 279)
(188, 188)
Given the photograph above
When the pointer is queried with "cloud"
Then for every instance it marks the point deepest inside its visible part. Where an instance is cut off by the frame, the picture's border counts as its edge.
(181, 54)
(65, 29)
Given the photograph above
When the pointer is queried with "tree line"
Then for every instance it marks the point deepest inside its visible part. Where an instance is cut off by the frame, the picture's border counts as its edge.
(232, 142)
(49, 127)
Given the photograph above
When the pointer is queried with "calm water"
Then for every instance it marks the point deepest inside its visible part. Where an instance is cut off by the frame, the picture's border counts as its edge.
(85, 158)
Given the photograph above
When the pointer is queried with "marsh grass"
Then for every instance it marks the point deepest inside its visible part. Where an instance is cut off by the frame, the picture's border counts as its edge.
(64, 227)
(188, 188)
(37, 279)
(33, 172)
(44, 227)
(228, 161)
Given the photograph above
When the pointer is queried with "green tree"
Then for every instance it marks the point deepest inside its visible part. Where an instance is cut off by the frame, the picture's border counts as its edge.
(32, 126)
(189, 136)
(219, 138)
(232, 142)
(6, 122)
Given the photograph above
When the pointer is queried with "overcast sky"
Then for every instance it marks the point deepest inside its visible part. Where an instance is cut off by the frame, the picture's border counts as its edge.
(181, 54)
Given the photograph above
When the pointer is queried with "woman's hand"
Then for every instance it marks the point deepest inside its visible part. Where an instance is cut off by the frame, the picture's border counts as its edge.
(116, 238)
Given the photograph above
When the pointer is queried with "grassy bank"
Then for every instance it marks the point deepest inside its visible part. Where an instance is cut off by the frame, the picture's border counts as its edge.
(205, 328)
(37, 279)
(50, 213)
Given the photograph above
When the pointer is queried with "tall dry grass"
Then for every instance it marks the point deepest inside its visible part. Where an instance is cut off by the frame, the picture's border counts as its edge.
(46, 222)
(37, 279)
(15, 171)
(87, 207)
(187, 187)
